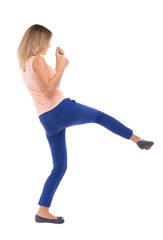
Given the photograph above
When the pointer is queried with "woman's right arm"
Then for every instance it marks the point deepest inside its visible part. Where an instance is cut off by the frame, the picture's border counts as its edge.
(41, 69)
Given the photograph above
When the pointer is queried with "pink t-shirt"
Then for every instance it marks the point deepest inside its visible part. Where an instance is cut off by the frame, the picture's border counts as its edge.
(42, 101)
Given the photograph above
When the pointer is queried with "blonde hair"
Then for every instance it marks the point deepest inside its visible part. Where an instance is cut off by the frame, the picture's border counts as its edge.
(34, 42)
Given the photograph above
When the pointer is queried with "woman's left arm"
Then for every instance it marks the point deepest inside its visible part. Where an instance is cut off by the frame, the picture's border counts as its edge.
(58, 53)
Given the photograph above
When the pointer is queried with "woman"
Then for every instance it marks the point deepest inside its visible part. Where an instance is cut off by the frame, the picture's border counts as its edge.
(56, 112)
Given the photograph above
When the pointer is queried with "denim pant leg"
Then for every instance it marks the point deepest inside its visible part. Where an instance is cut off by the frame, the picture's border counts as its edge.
(70, 113)
(59, 154)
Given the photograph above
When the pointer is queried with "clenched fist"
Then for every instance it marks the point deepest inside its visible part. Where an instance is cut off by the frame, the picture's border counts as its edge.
(63, 61)
(59, 52)
(60, 58)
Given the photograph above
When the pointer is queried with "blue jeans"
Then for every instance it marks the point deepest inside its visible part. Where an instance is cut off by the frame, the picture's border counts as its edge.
(69, 113)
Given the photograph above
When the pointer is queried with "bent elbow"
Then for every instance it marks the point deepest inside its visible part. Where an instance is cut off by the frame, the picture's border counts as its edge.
(50, 91)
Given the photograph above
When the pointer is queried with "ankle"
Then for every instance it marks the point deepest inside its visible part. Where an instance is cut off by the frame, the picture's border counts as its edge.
(43, 209)
(135, 138)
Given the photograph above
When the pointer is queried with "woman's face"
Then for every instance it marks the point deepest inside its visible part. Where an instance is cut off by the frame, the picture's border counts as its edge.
(48, 47)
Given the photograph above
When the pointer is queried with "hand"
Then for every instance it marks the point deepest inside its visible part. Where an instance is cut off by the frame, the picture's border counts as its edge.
(63, 61)
(59, 52)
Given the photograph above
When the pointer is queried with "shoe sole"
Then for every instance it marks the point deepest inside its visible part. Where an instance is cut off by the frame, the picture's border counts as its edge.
(147, 147)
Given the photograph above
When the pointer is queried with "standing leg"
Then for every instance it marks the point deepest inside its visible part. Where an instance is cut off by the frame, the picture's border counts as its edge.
(59, 154)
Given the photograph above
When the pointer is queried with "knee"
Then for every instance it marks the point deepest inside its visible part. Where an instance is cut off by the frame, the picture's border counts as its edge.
(99, 117)
(60, 169)
(64, 168)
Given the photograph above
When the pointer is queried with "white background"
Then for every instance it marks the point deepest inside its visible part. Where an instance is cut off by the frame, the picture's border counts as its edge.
(112, 189)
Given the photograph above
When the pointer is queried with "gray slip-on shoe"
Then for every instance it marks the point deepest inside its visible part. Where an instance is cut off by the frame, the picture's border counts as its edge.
(39, 219)
(145, 144)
